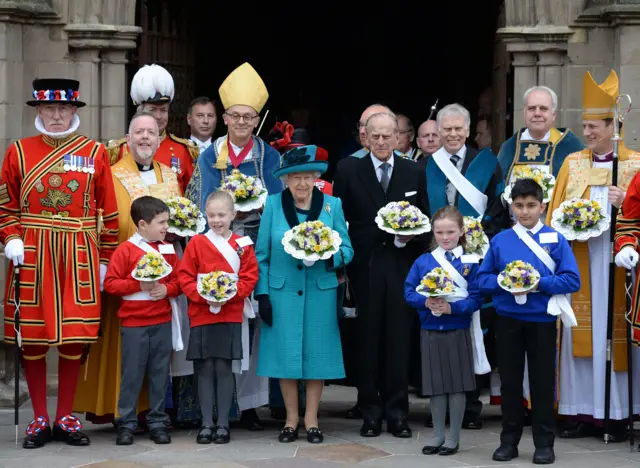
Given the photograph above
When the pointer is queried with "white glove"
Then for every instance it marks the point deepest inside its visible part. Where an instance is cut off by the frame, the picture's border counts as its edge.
(309, 263)
(398, 244)
(103, 273)
(14, 251)
(627, 258)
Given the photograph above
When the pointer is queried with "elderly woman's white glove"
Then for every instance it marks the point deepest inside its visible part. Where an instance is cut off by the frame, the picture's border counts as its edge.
(627, 258)
(309, 263)
(14, 251)
(103, 273)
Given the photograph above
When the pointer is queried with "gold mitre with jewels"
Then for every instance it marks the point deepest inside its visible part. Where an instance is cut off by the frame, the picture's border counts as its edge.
(599, 100)
(244, 86)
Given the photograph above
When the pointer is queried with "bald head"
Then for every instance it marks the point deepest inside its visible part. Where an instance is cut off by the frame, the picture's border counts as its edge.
(428, 137)
(368, 112)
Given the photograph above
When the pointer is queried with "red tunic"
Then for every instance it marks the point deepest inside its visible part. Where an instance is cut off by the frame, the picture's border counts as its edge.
(324, 186)
(119, 282)
(55, 212)
(201, 256)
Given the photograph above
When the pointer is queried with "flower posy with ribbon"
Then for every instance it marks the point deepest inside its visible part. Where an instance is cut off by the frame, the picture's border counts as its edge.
(151, 267)
(185, 219)
(519, 277)
(247, 191)
(580, 219)
(217, 286)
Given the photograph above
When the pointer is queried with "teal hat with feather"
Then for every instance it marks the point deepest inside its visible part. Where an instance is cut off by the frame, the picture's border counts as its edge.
(301, 159)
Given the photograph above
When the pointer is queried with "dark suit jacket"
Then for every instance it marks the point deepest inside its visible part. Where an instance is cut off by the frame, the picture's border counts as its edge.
(356, 183)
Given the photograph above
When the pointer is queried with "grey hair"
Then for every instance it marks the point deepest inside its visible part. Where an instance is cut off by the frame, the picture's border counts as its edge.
(142, 113)
(551, 92)
(284, 178)
(454, 110)
(389, 115)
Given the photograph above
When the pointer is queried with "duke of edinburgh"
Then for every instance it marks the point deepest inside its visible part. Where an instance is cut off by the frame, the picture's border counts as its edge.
(59, 222)
(152, 89)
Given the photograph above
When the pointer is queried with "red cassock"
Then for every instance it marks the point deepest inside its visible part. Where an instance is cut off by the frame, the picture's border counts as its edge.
(56, 210)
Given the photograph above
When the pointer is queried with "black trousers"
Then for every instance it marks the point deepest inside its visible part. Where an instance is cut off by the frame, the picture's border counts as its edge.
(514, 338)
(384, 327)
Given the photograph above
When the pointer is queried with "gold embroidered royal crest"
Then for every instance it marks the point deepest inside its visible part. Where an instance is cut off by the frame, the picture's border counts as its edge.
(55, 199)
(532, 151)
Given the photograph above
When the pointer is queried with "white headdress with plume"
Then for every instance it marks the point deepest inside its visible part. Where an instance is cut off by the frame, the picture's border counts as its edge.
(152, 83)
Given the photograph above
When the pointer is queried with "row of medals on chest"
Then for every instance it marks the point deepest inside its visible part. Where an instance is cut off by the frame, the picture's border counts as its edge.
(71, 163)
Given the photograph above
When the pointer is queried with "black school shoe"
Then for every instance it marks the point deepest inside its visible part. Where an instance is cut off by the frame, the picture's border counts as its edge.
(205, 435)
(223, 438)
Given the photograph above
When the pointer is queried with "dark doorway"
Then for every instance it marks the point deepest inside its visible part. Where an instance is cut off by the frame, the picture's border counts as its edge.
(334, 60)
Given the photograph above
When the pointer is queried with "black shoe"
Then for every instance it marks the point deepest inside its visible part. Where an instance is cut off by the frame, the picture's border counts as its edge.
(205, 435)
(370, 429)
(544, 456)
(505, 453)
(353, 413)
(125, 436)
(448, 451)
(399, 428)
(472, 425)
(431, 449)
(288, 434)
(577, 431)
(76, 438)
(250, 420)
(39, 435)
(160, 435)
(314, 435)
(223, 438)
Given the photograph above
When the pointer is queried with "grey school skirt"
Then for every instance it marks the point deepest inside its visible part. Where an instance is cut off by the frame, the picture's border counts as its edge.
(216, 340)
(447, 362)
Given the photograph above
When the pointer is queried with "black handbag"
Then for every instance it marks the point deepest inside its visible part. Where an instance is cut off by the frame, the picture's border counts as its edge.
(346, 300)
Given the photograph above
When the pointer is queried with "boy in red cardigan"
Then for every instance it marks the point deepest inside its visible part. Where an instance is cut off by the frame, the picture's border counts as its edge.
(145, 320)
(216, 328)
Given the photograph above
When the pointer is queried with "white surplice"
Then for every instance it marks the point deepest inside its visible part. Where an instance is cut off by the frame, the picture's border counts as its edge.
(582, 380)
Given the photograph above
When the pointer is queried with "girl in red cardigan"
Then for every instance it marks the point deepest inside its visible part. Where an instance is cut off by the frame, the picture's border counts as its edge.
(216, 337)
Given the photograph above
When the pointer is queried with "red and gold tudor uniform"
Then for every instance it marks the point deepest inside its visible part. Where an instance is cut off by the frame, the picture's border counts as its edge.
(56, 195)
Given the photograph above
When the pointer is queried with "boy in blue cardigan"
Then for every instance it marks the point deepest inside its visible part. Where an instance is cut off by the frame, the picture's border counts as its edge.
(528, 329)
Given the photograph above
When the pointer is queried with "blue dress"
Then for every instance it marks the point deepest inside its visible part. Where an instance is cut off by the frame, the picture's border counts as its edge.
(304, 340)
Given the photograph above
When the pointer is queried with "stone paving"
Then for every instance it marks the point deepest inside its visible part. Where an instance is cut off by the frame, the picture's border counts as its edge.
(343, 446)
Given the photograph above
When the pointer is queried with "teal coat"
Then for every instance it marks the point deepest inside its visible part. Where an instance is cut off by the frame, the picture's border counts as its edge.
(304, 340)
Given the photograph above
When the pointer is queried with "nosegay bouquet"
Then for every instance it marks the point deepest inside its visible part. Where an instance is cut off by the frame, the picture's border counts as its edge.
(151, 267)
(402, 218)
(247, 191)
(544, 179)
(311, 241)
(519, 277)
(436, 283)
(217, 286)
(476, 241)
(185, 219)
(579, 219)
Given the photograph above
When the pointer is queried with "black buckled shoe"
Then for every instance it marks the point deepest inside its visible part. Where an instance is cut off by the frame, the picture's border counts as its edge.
(431, 449)
(38, 434)
(314, 435)
(125, 436)
(448, 451)
(250, 420)
(288, 434)
(205, 435)
(544, 456)
(68, 429)
(505, 453)
(160, 435)
(222, 438)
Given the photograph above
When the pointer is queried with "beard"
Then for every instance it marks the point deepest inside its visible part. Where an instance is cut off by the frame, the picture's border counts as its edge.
(145, 154)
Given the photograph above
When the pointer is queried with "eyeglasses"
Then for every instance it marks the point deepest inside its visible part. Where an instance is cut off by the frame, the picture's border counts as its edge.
(235, 118)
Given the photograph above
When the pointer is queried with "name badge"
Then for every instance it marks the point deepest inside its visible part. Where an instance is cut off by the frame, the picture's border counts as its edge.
(244, 241)
(469, 258)
(549, 238)
(166, 249)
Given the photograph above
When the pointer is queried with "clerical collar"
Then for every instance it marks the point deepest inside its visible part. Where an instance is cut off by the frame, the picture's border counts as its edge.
(608, 157)
(142, 168)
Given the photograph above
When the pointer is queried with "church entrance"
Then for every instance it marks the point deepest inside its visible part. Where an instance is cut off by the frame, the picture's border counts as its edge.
(323, 66)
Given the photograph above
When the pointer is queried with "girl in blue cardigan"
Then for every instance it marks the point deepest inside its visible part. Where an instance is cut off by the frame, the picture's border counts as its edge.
(445, 342)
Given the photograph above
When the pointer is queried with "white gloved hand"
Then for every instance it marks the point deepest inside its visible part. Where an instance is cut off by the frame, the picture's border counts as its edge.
(309, 263)
(627, 258)
(103, 273)
(14, 251)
